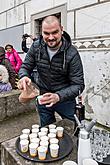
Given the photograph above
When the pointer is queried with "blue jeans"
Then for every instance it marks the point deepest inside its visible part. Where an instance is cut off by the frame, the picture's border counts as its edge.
(64, 109)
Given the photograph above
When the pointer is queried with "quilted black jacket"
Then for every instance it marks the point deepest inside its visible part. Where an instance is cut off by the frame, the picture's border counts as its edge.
(62, 75)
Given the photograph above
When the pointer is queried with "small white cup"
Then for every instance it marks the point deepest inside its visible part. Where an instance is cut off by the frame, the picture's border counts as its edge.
(33, 149)
(44, 129)
(42, 152)
(26, 131)
(23, 137)
(35, 130)
(53, 130)
(40, 134)
(45, 144)
(35, 126)
(54, 148)
(32, 135)
(24, 145)
(54, 141)
(60, 131)
(52, 126)
(51, 135)
(35, 140)
(44, 138)
(69, 162)
(39, 99)
(89, 161)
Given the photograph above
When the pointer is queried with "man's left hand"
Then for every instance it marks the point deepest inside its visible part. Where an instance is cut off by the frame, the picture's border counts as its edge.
(49, 99)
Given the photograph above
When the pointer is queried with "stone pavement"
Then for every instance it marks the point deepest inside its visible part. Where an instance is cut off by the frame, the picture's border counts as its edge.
(12, 127)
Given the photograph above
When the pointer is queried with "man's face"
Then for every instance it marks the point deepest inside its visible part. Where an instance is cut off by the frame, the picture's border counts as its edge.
(52, 34)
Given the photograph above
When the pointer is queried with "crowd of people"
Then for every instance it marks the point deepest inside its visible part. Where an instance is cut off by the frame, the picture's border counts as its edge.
(59, 69)
(10, 63)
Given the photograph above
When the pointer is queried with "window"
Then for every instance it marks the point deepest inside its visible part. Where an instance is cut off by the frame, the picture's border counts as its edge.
(36, 19)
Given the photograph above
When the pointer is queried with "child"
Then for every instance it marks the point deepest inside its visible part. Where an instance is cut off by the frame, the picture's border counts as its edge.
(13, 57)
(5, 62)
(4, 80)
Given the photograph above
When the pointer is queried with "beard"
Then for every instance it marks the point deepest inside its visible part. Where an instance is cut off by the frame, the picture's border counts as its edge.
(53, 44)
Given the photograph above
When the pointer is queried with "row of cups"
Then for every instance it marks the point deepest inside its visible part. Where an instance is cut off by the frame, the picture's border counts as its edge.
(39, 140)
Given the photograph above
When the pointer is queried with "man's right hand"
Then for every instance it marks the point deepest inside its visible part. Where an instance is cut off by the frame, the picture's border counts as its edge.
(23, 82)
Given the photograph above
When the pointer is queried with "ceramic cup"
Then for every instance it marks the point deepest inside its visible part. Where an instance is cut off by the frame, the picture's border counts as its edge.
(89, 162)
(69, 162)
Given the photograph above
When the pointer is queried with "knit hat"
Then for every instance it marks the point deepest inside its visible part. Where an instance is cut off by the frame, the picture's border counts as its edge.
(2, 52)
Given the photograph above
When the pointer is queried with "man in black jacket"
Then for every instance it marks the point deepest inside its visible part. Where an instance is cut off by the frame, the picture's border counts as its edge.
(60, 71)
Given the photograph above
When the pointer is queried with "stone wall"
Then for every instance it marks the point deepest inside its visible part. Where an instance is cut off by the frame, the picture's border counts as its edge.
(10, 105)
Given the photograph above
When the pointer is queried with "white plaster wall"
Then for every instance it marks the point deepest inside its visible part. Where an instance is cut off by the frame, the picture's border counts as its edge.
(27, 28)
(17, 2)
(70, 23)
(59, 2)
(73, 4)
(6, 4)
(15, 16)
(93, 21)
(28, 11)
(3, 21)
(97, 82)
(33, 7)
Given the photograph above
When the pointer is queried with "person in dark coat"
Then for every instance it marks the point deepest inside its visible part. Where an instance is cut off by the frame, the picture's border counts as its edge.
(4, 61)
(60, 72)
(23, 43)
(25, 49)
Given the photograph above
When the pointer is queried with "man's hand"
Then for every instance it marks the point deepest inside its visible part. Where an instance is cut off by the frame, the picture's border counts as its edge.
(49, 99)
(23, 82)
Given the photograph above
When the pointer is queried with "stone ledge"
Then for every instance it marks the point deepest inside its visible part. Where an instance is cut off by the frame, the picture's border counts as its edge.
(10, 105)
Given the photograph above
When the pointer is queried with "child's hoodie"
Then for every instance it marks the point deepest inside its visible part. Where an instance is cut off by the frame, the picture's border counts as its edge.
(4, 83)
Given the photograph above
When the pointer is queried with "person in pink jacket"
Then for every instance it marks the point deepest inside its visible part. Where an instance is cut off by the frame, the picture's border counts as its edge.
(13, 57)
